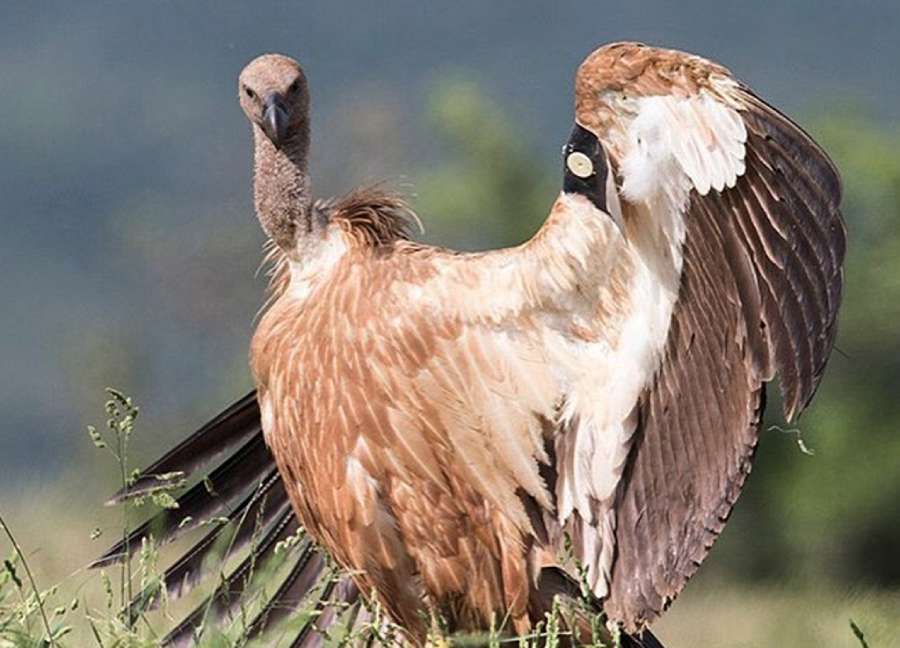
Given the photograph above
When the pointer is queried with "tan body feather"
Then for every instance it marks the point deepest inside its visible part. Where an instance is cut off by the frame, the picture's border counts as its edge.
(410, 406)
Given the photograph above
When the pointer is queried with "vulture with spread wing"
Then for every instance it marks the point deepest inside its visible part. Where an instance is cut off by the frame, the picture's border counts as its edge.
(470, 435)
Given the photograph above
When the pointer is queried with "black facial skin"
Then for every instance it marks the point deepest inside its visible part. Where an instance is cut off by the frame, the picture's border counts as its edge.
(594, 186)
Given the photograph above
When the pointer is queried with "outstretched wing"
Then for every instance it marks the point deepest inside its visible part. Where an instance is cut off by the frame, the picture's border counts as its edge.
(760, 288)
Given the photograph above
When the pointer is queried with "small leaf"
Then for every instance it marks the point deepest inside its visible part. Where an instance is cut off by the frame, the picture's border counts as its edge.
(803, 448)
(164, 500)
(62, 632)
(96, 437)
(170, 476)
(108, 589)
(219, 519)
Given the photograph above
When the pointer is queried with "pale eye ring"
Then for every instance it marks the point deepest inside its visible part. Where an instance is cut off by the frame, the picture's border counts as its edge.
(580, 164)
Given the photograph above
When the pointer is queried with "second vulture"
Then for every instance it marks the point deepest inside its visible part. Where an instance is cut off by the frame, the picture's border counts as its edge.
(470, 435)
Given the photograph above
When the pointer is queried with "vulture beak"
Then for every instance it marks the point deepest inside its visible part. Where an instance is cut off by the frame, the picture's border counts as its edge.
(275, 119)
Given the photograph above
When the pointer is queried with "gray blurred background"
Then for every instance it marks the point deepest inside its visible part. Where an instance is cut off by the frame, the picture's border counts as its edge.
(129, 245)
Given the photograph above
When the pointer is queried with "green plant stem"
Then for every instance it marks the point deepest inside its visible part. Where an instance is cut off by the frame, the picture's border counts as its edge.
(34, 587)
(126, 565)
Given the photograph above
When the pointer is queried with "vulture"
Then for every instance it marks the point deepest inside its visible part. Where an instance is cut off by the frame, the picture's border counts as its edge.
(477, 439)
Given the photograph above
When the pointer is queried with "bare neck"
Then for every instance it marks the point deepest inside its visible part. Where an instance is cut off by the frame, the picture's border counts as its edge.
(283, 195)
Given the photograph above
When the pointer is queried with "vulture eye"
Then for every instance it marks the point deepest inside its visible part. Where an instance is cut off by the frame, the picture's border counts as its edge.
(295, 86)
(249, 92)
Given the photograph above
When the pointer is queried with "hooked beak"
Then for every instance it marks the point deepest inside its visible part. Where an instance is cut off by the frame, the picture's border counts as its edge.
(275, 119)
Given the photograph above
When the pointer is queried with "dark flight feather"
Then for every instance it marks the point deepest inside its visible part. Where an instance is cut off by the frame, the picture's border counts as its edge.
(243, 470)
(233, 426)
(762, 281)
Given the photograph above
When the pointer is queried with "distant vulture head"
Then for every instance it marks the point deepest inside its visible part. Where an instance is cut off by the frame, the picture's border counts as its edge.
(275, 97)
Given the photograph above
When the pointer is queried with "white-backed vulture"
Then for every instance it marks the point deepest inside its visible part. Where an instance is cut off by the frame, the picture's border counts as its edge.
(443, 422)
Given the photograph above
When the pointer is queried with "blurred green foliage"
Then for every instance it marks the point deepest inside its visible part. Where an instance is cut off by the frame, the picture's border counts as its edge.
(835, 515)
(491, 189)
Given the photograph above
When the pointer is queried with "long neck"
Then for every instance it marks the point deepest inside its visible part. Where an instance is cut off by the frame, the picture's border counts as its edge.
(282, 192)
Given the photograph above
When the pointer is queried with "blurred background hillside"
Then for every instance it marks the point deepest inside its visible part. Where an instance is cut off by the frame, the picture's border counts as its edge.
(129, 246)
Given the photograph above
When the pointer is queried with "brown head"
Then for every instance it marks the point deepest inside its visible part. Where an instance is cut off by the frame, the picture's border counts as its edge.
(275, 97)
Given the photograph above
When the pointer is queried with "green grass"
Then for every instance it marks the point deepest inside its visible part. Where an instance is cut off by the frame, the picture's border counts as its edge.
(730, 616)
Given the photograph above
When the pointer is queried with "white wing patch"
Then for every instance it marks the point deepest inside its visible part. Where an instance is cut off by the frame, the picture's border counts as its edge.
(671, 139)
(670, 146)
(606, 376)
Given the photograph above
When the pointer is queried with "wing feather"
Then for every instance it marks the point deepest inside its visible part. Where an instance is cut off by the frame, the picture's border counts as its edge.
(242, 472)
(249, 494)
(761, 282)
(226, 540)
(233, 426)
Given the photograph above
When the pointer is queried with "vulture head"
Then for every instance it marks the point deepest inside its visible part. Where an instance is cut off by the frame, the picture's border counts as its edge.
(275, 97)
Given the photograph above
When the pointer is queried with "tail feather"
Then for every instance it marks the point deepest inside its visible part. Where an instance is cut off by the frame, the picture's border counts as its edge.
(187, 571)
